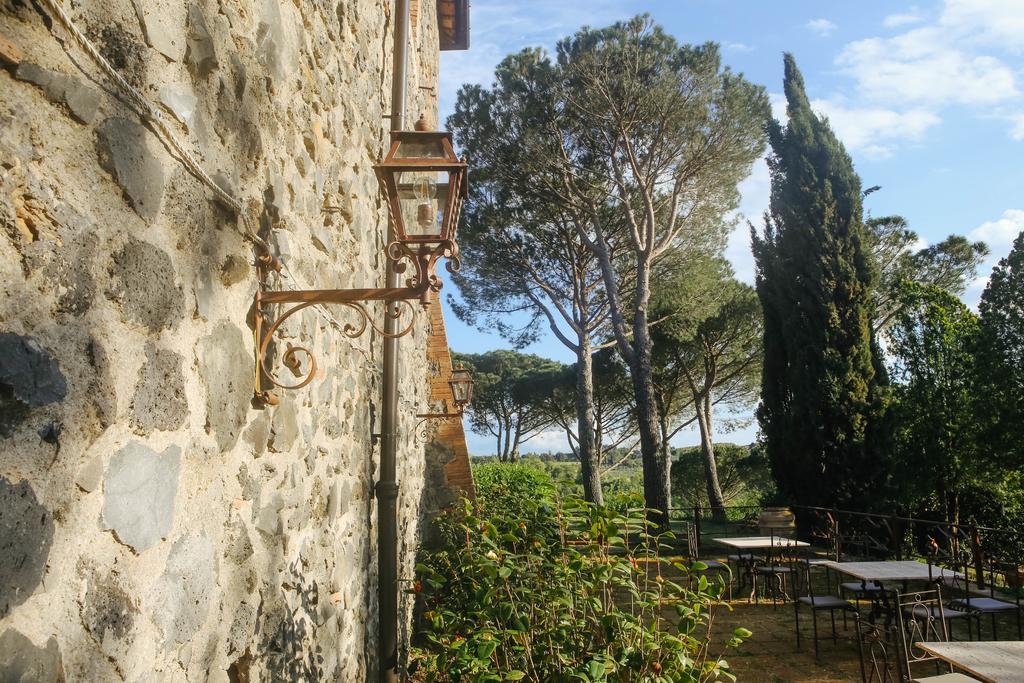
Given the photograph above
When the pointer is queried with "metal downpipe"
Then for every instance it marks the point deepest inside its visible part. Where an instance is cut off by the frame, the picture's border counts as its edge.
(387, 486)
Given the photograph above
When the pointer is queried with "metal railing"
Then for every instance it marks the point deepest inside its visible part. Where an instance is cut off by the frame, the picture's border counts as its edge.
(851, 535)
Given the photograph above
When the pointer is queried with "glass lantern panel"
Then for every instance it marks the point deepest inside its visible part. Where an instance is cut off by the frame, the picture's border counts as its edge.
(422, 196)
(462, 386)
(420, 148)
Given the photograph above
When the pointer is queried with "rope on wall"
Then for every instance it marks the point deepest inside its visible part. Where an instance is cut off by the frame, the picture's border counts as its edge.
(183, 155)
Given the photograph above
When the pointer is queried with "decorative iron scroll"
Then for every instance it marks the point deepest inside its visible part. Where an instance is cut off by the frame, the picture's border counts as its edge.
(421, 284)
(429, 424)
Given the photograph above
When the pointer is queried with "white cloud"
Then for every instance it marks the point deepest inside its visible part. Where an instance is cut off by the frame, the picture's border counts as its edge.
(502, 28)
(873, 131)
(755, 191)
(923, 67)
(736, 47)
(999, 234)
(988, 22)
(1017, 132)
(903, 19)
(823, 27)
(546, 442)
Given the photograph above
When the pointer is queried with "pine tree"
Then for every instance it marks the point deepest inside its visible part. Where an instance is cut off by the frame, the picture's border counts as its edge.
(821, 400)
(1002, 359)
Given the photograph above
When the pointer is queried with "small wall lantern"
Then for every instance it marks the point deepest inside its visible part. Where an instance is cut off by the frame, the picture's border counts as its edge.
(425, 184)
(461, 383)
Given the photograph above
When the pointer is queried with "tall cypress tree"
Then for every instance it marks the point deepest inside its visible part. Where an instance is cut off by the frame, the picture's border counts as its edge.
(820, 398)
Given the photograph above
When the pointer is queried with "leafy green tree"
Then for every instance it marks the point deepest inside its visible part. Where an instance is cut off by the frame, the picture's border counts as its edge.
(715, 361)
(1001, 358)
(640, 143)
(743, 474)
(820, 393)
(613, 411)
(525, 267)
(503, 406)
(933, 341)
(950, 265)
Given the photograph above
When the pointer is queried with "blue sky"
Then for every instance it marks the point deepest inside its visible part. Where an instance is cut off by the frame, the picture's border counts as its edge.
(927, 96)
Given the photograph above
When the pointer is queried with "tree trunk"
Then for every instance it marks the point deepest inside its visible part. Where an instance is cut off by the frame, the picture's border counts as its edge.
(507, 452)
(707, 447)
(666, 449)
(657, 491)
(513, 454)
(590, 456)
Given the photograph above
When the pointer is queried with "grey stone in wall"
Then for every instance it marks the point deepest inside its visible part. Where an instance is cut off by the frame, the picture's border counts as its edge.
(163, 26)
(108, 612)
(66, 265)
(28, 373)
(22, 662)
(226, 365)
(182, 595)
(242, 626)
(124, 153)
(26, 534)
(159, 401)
(102, 394)
(139, 491)
(201, 54)
(90, 475)
(29, 377)
(81, 100)
(146, 286)
(284, 428)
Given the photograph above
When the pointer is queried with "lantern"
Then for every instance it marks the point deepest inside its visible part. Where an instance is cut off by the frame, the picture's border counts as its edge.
(425, 184)
(461, 382)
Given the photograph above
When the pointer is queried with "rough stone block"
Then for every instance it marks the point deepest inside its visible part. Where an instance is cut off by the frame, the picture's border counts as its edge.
(26, 533)
(29, 377)
(108, 612)
(90, 475)
(226, 366)
(82, 100)
(159, 401)
(9, 52)
(284, 428)
(124, 152)
(180, 101)
(201, 55)
(163, 26)
(22, 662)
(140, 488)
(147, 289)
(234, 270)
(183, 593)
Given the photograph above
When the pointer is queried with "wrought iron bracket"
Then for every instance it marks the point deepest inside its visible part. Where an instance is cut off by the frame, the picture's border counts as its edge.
(421, 284)
(430, 422)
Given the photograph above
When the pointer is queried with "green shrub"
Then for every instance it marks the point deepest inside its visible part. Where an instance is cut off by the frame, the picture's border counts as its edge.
(505, 489)
(564, 592)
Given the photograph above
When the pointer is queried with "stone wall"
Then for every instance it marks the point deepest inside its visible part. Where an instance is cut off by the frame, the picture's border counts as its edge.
(154, 523)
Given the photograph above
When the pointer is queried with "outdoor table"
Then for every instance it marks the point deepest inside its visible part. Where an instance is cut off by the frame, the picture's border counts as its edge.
(887, 571)
(760, 542)
(998, 661)
(749, 543)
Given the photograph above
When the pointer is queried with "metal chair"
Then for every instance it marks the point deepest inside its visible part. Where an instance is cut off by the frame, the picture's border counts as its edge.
(887, 652)
(816, 603)
(979, 602)
(693, 553)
